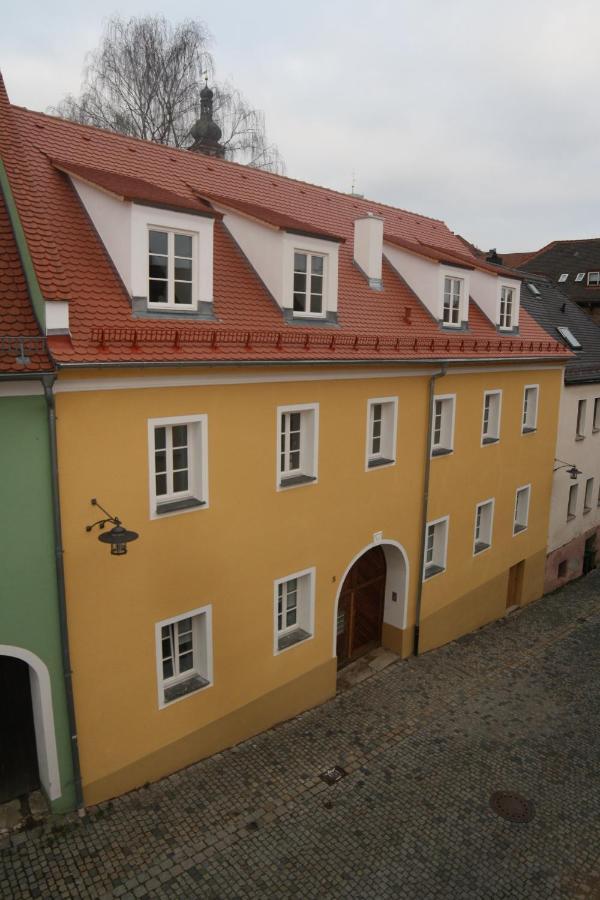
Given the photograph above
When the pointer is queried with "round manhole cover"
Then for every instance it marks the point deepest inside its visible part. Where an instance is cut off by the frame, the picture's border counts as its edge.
(512, 806)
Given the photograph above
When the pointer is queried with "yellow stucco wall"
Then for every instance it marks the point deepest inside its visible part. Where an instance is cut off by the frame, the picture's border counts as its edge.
(229, 554)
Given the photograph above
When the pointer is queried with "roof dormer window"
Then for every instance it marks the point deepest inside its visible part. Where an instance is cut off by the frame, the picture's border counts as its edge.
(309, 283)
(507, 302)
(170, 268)
(453, 289)
(562, 278)
(593, 278)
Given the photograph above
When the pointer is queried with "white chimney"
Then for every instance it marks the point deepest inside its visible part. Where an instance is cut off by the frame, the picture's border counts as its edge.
(368, 248)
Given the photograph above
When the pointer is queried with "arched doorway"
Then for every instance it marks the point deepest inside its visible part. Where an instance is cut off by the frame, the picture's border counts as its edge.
(360, 607)
(19, 772)
(25, 677)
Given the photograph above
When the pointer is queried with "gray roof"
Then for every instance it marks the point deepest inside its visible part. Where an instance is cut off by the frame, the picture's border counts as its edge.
(552, 309)
(569, 258)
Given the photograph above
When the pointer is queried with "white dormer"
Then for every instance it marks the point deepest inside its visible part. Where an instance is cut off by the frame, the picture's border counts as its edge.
(368, 248)
(299, 270)
(499, 298)
(444, 289)
(163, 256)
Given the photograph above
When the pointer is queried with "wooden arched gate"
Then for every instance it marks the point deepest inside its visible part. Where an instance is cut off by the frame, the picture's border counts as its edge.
(360, 607)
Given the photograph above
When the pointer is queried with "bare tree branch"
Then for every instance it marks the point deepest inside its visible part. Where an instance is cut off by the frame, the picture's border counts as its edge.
(144, 79)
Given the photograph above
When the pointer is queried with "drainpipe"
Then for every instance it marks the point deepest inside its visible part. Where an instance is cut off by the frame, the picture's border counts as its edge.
(425, 505)
(48, 382)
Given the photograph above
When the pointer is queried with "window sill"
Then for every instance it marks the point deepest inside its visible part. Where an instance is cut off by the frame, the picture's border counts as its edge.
(519, 528)
(296, 480)
(527, 429)
(441, 451)
(595, 430)
(297, 318)
(177, 505)
(142, 309)
(489, 440)
(380, 461)
(291, 639)
(580, 437)
(587, 509)
(480, 546)
(570, 517)
(183, 688)
(430, 571)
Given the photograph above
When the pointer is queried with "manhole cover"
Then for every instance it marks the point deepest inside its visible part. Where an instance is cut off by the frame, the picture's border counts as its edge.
(331, 776)
(512, 806)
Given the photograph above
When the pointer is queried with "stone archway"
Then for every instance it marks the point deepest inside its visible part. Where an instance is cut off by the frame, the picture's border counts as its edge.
(43, 718)
(372, 594)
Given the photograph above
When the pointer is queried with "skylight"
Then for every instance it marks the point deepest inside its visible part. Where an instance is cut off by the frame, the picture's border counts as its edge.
(563, 277)
(580, 276)
(569, 337)
(533, 288)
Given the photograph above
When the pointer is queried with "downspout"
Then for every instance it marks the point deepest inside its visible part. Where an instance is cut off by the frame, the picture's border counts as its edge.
(425, 504)
(48, 382)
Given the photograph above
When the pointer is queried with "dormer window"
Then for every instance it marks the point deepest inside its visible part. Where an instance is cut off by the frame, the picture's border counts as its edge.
(309, 282)
(170, 268)
(593, 279)
(453, 288)
(507, 300)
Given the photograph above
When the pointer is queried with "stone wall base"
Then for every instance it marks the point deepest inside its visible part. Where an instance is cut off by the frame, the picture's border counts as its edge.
(571, 555)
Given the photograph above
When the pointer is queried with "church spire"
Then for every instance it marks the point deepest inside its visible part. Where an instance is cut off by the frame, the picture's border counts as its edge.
(205, 132)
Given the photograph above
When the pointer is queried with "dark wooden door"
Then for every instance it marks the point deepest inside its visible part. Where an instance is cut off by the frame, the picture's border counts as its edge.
(360, 608)
(18, 754)
(515, 584)
(589, 554)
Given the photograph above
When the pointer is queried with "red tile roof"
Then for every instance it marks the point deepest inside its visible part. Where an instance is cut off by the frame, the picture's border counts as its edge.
(72, 263)
(20, 336)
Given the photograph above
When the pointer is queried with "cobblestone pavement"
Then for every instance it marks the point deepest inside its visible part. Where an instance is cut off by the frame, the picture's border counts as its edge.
(515, 706)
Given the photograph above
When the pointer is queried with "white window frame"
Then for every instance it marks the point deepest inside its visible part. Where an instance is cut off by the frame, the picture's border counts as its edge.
(567, 335)
(491, 438)
(506, 317)
(519, 527)
(491, 504)
(596, 281)
(596, 416)
(389, 430)
(202, 666)
(170, 304)
(580, 276)
(452, 308)
(307, 314)
(446, 444)
(305, 604)
(309, 446)
(588, 496)
(572, 502)
(440, 551)
(581, 419)
(198, 465)
(563, 277)
(529, 421)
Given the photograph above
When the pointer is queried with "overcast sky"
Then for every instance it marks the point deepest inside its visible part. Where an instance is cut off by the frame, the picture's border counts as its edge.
(480, 113)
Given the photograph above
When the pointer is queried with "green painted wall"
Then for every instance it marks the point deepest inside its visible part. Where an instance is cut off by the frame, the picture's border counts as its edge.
(29, 604)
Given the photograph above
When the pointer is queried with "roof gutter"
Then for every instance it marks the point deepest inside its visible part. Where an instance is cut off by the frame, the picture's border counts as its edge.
(425, 504)
(47, 384)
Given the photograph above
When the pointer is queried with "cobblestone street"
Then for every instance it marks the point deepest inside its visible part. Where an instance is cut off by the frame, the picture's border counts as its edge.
(425, 743)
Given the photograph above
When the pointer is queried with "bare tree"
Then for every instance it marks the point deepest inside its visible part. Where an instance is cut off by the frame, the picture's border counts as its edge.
(145, 78)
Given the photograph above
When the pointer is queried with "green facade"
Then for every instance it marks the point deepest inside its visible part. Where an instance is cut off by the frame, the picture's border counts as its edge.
(29, 610)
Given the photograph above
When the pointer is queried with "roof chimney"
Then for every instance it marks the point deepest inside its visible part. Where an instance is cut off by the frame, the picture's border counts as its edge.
(368, 248)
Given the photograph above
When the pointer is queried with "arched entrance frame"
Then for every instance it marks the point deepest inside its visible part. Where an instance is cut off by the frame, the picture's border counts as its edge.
(43, 718)
(397, 572)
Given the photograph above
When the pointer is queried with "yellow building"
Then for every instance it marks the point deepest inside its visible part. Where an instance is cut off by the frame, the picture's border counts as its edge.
(326, 421)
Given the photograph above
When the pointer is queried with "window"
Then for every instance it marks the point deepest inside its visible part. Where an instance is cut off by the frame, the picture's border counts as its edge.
(533, 288)
(309, 275)
(490, 429)
(442, 426)
(381, 432)
(530, 408)
(562, 569)
(170, 268)
(507, 297)
(297, 445)
(580, 276)
(593, 278)
(596, 425)
(569, 337)
(572, 504)
(184, 655)
(521, 509)
(436, 543)
(294, 609)
(588, 498)
(562, 278)
(581, 411)
(178, 464)
(453, 288)
(484, 515)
